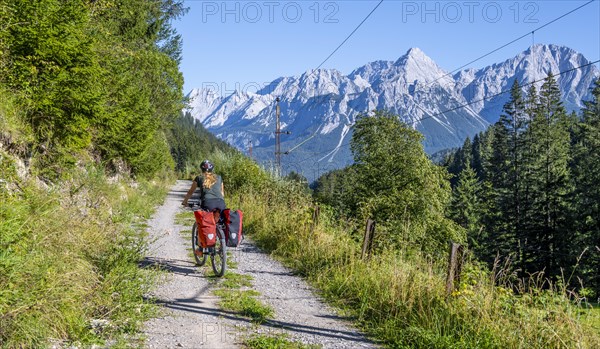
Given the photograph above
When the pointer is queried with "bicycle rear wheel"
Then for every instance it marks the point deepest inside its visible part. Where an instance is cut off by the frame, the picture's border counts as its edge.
(219, 257)
(196, 248)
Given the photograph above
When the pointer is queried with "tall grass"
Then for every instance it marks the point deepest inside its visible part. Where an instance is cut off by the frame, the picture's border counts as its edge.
(14, 132)
(399, 297)
(69, 258)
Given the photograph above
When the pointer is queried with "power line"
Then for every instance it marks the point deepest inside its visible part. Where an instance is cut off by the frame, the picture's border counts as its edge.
(501, 93)
(352, 33)
(475, 60)
(325, 60)
(324, 152)
(343, 42)
(456, 108)
(511, 42)
(462, 66)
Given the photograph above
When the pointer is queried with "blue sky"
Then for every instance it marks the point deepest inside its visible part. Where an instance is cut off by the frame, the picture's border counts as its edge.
(248, 43)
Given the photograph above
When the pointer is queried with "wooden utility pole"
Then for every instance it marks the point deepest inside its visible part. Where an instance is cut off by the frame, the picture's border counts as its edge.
(250, 149)
(277, 136)
(278, 133)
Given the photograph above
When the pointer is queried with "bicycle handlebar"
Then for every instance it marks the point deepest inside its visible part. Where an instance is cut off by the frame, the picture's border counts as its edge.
(194, 205)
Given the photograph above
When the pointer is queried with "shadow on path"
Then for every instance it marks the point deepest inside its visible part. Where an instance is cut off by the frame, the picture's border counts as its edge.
(288, 273)
(175, 266)
(186, 305)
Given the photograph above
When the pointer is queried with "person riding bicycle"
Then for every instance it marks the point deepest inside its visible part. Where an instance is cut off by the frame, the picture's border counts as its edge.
(211, 185)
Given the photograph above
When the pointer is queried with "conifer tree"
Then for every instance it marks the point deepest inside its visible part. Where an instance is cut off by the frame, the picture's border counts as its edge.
(528, 181)
(461, 158)
(515, 121)
(477, 150)
(498, 170)
(550, 179)
(586, 178)
(465, 206)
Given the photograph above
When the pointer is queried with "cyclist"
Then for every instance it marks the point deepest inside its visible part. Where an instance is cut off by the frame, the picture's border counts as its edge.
(211, 185)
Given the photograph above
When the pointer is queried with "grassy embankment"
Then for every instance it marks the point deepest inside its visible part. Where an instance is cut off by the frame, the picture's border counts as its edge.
(69, 258)
(397, 297)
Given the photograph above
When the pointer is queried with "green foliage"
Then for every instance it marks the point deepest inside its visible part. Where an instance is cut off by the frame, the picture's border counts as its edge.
(244, 302)
(504, 173)
(466, 205)
(94, 78)
(234, 280)
(15, 134)
(592, 316)
(185, 218)
(297, 177)
(586, 178)
(336, 189)
(191, 143)
(550, 172)
(399, 187)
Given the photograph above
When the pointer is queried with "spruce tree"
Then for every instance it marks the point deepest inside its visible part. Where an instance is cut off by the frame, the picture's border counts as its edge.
(459, 161)
(550, 139)
(586, 178)
(465, 206)
(528, 181)
(499, 221)
(515, 120)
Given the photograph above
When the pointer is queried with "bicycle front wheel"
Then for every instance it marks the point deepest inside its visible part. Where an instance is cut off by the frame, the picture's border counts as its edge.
(196, 248)
(219, 256)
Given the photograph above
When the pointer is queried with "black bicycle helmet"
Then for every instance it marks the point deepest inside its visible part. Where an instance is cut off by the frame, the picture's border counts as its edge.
(207, 166)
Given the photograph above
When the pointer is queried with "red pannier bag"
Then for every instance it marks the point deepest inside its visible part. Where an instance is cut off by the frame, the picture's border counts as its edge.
(233, 227)
(207, 228)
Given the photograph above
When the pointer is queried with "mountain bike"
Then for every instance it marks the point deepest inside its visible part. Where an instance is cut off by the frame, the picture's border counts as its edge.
(218, 252)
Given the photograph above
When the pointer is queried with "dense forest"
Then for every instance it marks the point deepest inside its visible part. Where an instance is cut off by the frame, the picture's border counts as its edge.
(191, 143)
(91, 79)
(526, 191)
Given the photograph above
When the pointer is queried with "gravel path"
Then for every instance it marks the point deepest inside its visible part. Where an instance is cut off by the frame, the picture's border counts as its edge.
(298, 312)
(191, 317)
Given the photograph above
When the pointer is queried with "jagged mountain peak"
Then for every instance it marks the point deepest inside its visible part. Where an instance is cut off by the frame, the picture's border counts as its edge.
(321, 75)
(416, 54)
(203, 92)
(202, 102)
(416, 66)
(530, 66)
(550, 48)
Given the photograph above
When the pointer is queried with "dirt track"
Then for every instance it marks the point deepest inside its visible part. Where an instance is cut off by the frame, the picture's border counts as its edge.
(191, 316)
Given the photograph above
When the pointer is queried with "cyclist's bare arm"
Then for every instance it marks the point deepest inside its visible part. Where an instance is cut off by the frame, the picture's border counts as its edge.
(190, 193)
(222, 189)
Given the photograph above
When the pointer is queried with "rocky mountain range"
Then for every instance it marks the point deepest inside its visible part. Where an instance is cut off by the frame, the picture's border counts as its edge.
(319, 107)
